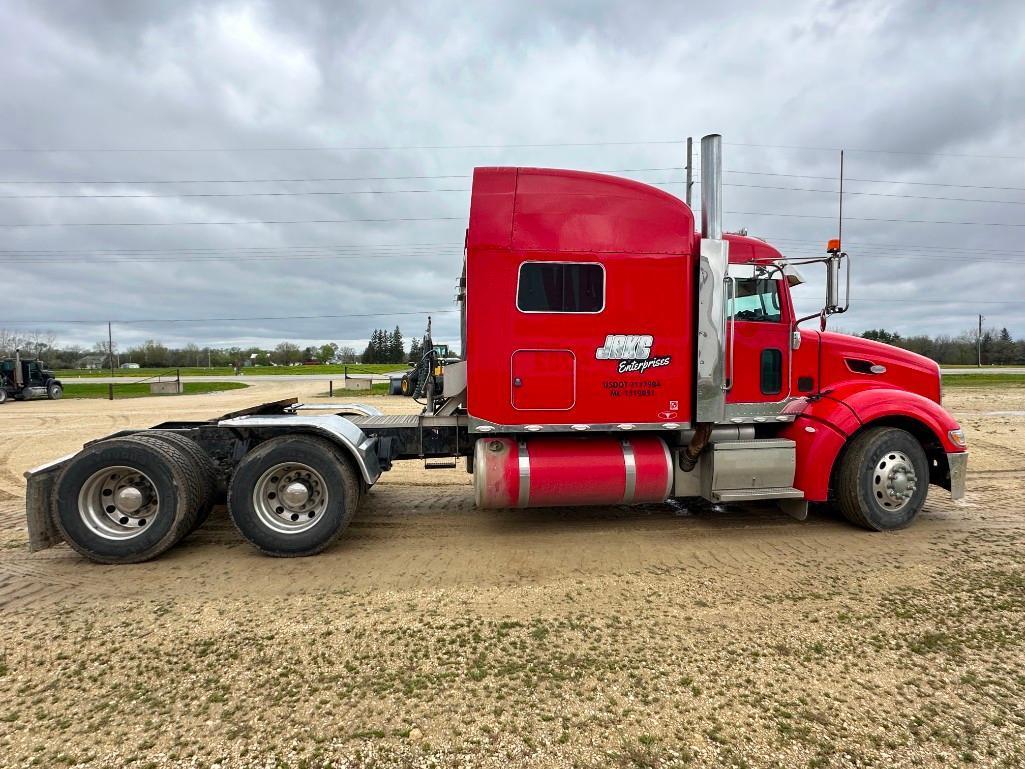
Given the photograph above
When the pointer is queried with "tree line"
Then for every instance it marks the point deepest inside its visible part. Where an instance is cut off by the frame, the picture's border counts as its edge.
(384, 347)
(998, 347)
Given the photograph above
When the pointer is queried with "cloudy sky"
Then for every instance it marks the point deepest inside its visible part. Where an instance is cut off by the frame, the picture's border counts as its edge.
(246, 159)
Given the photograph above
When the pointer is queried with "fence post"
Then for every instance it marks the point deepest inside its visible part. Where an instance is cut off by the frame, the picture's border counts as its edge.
(330, 388)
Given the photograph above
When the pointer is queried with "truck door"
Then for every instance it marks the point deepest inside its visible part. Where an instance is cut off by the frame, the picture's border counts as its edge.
(759, 335)
(543, 380)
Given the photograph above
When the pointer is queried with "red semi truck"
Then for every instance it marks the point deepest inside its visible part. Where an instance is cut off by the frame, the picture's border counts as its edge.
(611, 355)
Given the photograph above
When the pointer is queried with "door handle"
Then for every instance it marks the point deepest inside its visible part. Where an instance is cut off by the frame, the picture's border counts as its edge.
(517, 382)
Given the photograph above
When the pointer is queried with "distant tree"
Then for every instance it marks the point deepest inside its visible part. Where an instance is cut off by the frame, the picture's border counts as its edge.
(396, 347)
(346, 354)
(882, 335)
(286, 353)
(415, 350)
(328, 352)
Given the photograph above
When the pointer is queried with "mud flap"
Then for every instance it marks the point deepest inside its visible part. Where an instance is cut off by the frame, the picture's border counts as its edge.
(38, 492)
(795, 508)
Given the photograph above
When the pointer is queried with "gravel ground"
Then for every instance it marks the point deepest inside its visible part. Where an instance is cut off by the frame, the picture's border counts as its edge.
(436, 635)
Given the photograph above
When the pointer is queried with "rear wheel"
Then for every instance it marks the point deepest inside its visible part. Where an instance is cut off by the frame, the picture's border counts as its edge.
(293, 495)
(54, 392)
(125, 500)
(883, 479)
(407, 386)
(209, 492)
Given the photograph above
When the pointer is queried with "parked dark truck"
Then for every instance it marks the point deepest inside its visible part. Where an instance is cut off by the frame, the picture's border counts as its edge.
(27, 380)
(611, 355)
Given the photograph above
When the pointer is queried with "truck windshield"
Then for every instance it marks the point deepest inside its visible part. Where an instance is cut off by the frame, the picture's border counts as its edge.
(757, 299)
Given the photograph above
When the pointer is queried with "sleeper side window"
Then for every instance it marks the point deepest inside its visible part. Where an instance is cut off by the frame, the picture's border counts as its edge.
(757, 299)
(561, 287)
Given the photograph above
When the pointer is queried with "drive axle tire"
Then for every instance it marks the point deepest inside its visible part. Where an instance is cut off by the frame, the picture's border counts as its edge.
(209, 491)
(883, 479)
(125, 500)
(293, 495)
(55, 392)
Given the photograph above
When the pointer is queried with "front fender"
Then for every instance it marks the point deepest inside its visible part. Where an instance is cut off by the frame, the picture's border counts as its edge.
(825, 425)
(884, 403)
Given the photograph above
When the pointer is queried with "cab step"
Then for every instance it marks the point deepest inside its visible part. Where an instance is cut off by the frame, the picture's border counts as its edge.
(445, 463)
(752, 495)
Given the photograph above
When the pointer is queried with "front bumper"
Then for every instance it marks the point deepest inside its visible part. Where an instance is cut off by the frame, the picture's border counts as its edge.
(958, 464)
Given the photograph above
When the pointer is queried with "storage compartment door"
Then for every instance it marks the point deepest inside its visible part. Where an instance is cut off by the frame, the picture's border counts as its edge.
(543, 380)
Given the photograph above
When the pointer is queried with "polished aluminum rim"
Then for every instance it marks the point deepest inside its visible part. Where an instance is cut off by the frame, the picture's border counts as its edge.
(118, 503)
(894, 480)
(290, 498)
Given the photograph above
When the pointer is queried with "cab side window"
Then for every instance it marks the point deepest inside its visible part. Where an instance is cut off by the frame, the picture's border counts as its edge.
(561, 287)
(757, 300)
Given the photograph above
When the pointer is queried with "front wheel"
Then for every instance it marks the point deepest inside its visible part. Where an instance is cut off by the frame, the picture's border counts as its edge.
(293, 495)
(54, 392)
(883, 479)
(3, 395)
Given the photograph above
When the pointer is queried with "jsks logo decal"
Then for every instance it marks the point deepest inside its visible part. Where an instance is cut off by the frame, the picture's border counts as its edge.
(633, 351)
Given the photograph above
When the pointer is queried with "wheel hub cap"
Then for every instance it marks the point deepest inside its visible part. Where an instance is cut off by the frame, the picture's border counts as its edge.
(894, 481)
(295, 494)
(129, 499)
(290, 497)
(118, 502)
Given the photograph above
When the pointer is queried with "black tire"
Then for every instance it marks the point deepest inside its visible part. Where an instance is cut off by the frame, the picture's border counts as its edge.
(407, 385)
(866, 466)
(395, 386)
(3, 395)
(341, 486)
(173, 478)
(210, 492)
(54, 391)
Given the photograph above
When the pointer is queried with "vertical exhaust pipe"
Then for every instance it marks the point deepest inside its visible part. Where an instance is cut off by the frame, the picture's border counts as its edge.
(19, 379)
(711, 186)
(710, 383)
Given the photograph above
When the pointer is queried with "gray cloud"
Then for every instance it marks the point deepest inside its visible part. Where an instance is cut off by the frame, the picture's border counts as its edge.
(933, 80)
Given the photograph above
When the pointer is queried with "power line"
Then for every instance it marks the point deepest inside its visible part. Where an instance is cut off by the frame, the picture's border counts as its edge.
(339, 148)
(130, 321)
(304, 193)
(876, 151)
(298, 179)
(463, 219)
(405, 147)
(251, 221)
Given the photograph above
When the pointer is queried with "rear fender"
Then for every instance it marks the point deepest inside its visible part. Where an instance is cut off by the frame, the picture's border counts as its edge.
(335, 428)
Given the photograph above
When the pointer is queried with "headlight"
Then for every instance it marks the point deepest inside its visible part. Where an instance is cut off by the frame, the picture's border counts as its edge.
(957, 438)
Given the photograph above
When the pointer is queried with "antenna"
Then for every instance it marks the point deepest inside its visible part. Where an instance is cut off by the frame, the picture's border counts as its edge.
(839, 233)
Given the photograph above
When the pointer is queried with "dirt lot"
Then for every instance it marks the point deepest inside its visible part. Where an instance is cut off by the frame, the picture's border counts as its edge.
(434, 635)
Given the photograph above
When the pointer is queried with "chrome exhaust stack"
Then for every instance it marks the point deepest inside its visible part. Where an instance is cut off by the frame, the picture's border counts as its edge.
(712, 378)
(19, 379)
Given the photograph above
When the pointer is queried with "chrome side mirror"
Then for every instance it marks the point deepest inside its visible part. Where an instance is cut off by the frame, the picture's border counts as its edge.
(833, 283)
(795, 340)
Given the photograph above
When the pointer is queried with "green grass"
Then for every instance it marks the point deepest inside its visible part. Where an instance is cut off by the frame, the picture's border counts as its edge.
(983, 380)
(378, 388)
(133, 390)
(142, 373)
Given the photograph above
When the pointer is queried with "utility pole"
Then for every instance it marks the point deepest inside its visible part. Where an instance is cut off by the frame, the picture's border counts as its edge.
(110, 357)
(978, 342)
(690, 169)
